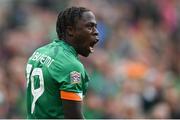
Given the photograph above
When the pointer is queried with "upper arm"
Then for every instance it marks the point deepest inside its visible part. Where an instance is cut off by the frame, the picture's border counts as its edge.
(72, 109)
(69, 77)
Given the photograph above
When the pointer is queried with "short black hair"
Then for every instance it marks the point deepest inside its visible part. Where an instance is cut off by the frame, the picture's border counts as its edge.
(68, 17)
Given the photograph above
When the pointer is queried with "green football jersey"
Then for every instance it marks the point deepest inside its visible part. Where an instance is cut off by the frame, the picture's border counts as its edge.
(53, 68)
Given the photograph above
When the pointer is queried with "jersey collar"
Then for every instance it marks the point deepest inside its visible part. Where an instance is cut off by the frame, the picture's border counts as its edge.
(71, 48)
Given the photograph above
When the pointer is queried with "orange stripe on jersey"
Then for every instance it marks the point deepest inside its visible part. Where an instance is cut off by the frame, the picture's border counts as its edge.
(71, 96)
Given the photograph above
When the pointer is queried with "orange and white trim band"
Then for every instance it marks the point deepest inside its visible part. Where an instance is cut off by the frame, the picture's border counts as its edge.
(71, 96)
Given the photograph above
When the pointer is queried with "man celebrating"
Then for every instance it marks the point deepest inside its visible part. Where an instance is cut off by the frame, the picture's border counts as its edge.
(56, 79)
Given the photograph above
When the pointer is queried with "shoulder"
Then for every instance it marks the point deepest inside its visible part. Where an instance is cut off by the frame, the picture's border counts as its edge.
(67, 63)
(64, 59)
(64, 67)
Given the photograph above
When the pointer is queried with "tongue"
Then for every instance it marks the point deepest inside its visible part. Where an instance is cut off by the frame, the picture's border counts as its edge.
(91, 49)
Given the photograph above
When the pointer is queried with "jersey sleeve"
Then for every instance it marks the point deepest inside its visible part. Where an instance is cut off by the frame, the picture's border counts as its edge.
(69, 75)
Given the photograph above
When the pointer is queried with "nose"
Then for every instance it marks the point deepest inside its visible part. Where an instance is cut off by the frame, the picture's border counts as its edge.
(95, 32)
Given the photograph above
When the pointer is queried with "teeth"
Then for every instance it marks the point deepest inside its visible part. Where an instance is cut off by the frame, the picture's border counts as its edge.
(91, 49)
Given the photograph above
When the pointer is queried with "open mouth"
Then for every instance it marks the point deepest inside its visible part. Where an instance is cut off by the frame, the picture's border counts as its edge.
(91, 47)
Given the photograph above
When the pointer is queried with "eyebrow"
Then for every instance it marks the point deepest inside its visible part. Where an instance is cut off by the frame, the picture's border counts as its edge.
(91, 23)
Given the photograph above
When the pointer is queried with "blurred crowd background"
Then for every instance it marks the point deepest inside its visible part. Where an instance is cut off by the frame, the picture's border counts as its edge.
(135, 69)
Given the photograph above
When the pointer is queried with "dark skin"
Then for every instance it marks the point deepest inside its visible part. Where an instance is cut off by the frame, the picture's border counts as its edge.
(83, 36)
(72, 109)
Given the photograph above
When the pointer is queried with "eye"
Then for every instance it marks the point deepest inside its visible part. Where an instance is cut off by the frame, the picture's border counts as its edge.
(91, 25)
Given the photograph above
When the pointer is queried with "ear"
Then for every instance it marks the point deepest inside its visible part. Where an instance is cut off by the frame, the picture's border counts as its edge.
(70, 31)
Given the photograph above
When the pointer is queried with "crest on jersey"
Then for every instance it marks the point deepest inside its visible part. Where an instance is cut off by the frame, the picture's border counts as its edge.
(75, 77)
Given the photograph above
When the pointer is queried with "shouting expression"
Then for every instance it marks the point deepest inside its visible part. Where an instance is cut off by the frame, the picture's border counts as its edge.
(85, 34)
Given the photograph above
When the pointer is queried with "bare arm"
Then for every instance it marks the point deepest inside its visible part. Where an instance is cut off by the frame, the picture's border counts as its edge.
(72, 109)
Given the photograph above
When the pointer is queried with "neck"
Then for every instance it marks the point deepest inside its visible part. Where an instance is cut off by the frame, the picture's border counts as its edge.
(70, 42)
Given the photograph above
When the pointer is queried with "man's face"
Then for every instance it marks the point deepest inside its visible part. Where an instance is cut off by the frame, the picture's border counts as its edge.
(86, 34)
